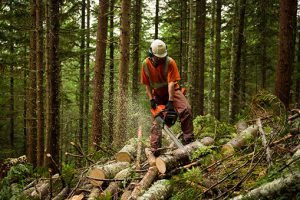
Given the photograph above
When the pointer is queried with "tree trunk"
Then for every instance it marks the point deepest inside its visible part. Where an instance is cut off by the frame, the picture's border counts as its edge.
(145, 183)
(12, 101)
(99, 173)
(190, 75)
(40, 82)
(111, 74)
(137, 18)
(156, 21)
(31, 113)
(53, 132)
(159, 190)
(287, 33)
(127, 153)
(183, 61)
(81, 74)
(198, 69)
(236, 63)
(99, 72)
(211, 59)
(177, 157)
(123, 73)
(87, 79)
(217, 100)
(263, 39)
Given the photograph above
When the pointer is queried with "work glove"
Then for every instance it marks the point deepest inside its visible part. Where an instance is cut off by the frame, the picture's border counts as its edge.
(153, 104)
(170, 106)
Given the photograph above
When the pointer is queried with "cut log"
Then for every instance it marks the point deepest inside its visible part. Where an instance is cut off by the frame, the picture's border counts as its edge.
(177, 157)
(159, 190)
(139, 149)
(264, 142)
(114, 187)
(98, 173)
(240, 140)
(128, 152)
(151, 158)
(145, 183)
(41, 191)
(272, 188)
(128, 190)
(241, 126)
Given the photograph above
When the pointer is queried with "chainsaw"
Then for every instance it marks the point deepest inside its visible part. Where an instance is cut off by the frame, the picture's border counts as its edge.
(165, 119)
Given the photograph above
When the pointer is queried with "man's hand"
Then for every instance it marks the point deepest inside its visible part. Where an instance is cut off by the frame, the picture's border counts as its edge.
(153, 103)
(170, 106)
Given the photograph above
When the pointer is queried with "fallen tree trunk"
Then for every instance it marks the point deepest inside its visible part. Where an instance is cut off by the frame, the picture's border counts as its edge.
(94, 193)
(275, 187)
(151, 158)
(114, 187)
(159, 190)
(240, 140)
(177, 157)
(9, 162)
(62, 194)
(98, 173)
(128, 152)
(144, 183)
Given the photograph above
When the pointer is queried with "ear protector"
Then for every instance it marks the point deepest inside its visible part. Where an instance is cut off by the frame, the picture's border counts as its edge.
(150, 53)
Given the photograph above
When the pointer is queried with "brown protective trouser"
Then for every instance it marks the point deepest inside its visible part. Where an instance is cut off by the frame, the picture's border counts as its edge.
(185, 115)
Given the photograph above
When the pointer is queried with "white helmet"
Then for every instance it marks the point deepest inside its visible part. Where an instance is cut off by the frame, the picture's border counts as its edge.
(159, 48)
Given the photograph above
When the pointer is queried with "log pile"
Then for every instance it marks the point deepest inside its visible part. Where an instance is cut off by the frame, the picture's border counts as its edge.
(132, 176)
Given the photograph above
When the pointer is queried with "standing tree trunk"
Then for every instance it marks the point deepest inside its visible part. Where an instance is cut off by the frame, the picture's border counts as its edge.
(31, 113)
(183, 43)
(156, 22)
(211, 59)
(123, 73)
(190, 56)
(263, 39)
(99, 71)
(287, 33)
(297, 96)
(198, 72)
(53, 128)
(236, 63)
(81, 74)
(137, 18)
(87, 78)
(217, 100)
(111, 73)
(40, 82)
(12, 100)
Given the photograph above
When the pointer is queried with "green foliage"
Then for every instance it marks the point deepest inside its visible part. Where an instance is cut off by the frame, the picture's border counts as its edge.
(182, 188)
(201, 152)
(68, 172)
(209, 126)
(11, 186)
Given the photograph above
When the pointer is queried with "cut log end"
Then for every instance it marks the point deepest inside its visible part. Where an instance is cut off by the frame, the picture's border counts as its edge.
(123, 157)
(161, 165)
(227, 149)
(97, 174)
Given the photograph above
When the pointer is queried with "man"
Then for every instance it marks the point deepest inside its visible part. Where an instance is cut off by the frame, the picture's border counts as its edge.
(160, 76)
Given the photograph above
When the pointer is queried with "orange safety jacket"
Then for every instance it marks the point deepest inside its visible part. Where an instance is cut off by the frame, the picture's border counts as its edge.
(159, 77)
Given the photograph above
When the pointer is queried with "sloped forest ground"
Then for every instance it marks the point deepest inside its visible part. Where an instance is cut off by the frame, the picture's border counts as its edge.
(258, 158)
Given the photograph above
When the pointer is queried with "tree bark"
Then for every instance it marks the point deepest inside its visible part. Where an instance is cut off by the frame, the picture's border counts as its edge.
(123, 73)
(211, 59)
(177, 157)
(240, 140)
(127, 153)
(217, 100)
(53, 128)
(105, 172)
(87, 78)
(31, 112)
(81, 74)
(159, 190)
(287, 34)
(111, 74)
(236, 62)
(198, 70)
(99, 71)
(40, 82)
(145, 183)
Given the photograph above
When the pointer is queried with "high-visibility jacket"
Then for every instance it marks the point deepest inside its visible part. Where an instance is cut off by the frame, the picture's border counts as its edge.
(159, 77)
